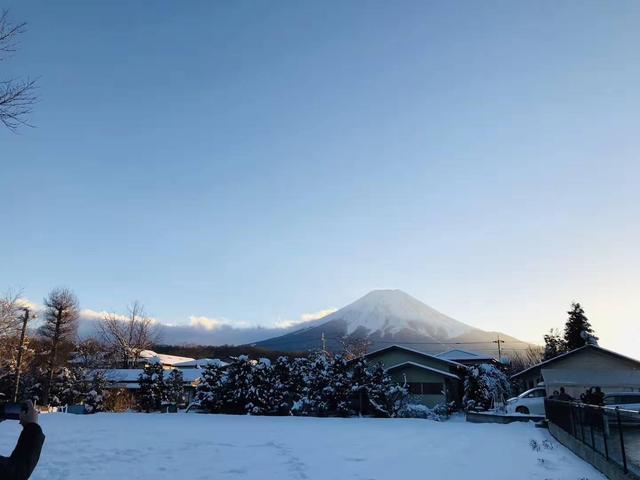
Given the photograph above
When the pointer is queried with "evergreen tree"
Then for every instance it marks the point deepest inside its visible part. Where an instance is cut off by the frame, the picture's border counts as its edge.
(361, 379)
(314, 399)
(260, 399)
(296, 386)
(68, 387)
(175, 387)
(95, 397)
(554, 344)
(209, 390)
(338, 392)
(152, 391)
(237, 388)
(577, 329)
(385, 396)
(284, 389)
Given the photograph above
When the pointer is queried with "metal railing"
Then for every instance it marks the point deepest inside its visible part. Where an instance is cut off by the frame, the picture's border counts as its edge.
(612, 432)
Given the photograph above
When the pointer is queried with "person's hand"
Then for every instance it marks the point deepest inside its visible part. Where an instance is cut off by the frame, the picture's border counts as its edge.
(30, 416)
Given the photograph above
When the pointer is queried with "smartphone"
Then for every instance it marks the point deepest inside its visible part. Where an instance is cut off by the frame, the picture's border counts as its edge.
(12, 411)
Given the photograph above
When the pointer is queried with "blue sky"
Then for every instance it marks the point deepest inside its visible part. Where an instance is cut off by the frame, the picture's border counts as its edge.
(256, 161)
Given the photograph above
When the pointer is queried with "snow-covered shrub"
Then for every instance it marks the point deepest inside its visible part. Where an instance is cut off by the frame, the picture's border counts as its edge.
(338, 392)
(484, 385)
(316, 387)
(152, 391)
(237, 394)
(209, 390)
(385, 396)
(68, 387)
(175, 387)
(260, 399)
(416, 410)
(284, 388)
(94, 399)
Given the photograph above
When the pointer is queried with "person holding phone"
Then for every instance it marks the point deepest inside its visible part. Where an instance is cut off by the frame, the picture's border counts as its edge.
(20, 464)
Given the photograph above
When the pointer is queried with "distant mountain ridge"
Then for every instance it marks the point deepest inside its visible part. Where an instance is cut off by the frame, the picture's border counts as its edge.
(392, 316)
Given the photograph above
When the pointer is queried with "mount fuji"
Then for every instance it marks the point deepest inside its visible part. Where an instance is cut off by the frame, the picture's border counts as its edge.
(387, 317)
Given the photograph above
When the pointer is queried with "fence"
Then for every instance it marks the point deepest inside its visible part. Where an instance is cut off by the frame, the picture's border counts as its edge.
(614, 433)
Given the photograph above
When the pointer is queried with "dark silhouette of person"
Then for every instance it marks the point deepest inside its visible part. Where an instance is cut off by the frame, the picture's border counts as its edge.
(586, 397)
(564, 396)
(597, 397)
(21, 463)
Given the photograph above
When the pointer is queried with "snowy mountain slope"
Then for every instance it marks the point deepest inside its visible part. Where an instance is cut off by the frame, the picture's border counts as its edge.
(388, 312)
(385, 317)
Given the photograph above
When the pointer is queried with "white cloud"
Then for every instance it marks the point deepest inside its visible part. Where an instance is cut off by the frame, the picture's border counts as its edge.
(308, 317)
(205, 330)
(304, 318)
(26, 303)
(93, 315)
(207, 323)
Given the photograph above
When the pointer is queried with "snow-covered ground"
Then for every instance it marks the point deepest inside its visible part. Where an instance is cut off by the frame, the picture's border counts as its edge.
(192, 446)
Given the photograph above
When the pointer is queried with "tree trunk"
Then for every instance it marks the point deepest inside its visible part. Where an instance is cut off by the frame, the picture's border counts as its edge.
(52, 359)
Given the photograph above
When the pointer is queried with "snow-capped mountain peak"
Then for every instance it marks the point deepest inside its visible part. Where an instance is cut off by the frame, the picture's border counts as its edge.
(388, 312)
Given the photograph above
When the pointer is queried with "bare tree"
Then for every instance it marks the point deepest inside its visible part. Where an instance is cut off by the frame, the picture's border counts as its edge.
(355, 347)
(17, 96)
(60, 319)
(522, 360)
(125, 336)
(9, 313)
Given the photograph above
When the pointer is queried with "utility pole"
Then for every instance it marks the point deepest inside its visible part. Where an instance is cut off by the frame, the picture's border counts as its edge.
(324, 343)
(23, 333)
(498, 341)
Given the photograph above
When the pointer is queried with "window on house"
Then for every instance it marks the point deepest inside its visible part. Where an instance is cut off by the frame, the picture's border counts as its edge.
(431, 388)
(414, 389)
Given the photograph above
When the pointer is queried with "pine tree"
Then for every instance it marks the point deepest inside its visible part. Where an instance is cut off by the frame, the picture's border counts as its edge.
(95, 397)
(68, 387)
(338, 391)
(361, 379)
(314, 399)
(385, 396)
(237, 387)
(577, 329)
(152, 391)
(175, 387)
(260, 399)
(60, 322)
(210, 389)
(284, 389)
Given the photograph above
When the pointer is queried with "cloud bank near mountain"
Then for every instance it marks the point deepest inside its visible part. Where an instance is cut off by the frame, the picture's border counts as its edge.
(205, 330)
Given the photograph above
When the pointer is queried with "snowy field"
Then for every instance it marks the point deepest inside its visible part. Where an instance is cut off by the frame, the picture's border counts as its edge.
(192, 446)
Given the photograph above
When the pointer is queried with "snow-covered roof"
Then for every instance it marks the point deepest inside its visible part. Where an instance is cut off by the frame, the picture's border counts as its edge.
(200, 363)
(402, 347)
(424, 367)
(190, 375)
(564, 355)
(455, 354)
(148, 355)
(128, 377)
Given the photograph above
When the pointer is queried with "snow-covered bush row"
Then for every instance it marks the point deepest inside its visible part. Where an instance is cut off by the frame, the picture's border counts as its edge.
(416, 410)
(315, 386)
(70, 386)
